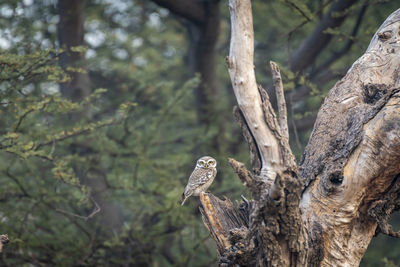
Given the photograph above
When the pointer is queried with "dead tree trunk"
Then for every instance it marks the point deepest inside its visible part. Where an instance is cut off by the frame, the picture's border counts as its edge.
(324, 211)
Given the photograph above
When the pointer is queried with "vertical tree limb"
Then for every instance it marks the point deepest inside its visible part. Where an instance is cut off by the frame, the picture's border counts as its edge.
(280, 96)
(241, 71)
(278, 241)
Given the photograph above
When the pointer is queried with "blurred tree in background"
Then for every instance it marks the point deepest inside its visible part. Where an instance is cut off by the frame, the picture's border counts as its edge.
(92, 176)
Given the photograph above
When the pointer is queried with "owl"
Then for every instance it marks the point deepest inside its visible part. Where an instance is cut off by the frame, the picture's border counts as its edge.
(201, 178)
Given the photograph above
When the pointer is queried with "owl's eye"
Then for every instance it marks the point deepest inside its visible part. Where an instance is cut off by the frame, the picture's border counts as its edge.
(201, 163)
(211, 162)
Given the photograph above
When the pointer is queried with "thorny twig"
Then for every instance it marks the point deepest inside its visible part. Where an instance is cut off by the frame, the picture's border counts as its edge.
(96, 210)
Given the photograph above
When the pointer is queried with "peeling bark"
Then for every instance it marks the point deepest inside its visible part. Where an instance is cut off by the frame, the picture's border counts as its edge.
(325, 211)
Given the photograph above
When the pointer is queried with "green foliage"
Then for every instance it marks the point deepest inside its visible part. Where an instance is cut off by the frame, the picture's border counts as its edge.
(46, 146)
(388, 263)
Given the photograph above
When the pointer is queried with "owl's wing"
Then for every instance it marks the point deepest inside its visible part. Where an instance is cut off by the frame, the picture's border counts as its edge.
(196, 179)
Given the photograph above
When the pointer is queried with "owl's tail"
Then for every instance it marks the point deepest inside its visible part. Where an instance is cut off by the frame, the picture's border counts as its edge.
(184, 198)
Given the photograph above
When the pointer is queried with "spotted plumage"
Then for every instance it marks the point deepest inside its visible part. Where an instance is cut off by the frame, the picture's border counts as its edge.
(201, 178)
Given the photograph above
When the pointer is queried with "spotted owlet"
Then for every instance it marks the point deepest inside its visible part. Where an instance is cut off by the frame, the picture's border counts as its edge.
(201, 178)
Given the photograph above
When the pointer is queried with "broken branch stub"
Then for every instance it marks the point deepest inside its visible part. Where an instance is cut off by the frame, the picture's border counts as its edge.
(220, 217)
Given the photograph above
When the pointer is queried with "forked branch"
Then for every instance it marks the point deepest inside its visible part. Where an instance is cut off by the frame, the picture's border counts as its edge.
(276, 189)
(254, 104)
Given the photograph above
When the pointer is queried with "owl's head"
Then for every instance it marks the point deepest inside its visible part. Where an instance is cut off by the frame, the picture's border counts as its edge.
(206, 162)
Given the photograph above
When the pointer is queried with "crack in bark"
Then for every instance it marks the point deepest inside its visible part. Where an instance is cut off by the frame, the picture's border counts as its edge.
(255, 158)
(381, 210)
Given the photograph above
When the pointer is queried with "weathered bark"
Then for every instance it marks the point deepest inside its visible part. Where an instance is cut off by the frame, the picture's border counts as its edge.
(220, 228)
(353, 155)
(347, 185)
(276, 76)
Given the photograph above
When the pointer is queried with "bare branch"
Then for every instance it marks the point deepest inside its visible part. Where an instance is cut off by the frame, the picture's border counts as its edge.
(280, 96)
(350, 169)
(285, 151)
(241, 71)
(96, 210)
(252, 182)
